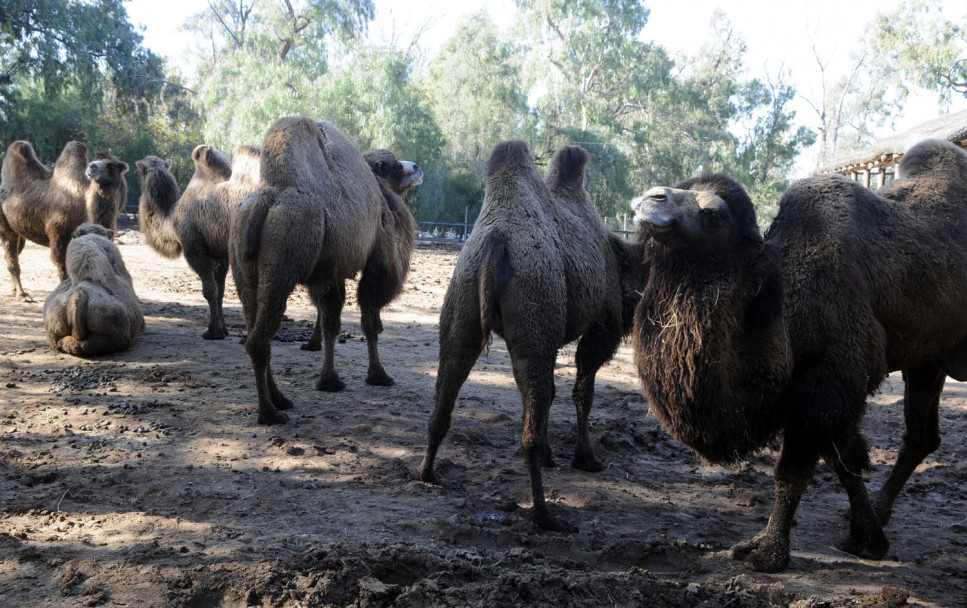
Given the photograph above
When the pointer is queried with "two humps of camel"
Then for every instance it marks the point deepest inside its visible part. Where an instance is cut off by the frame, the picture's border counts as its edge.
(540, 270)
(44, 206)
(741, 339)
(320, 217)
(94, 311)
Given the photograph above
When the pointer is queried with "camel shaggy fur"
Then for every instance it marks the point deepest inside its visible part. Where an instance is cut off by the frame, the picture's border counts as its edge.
(400, 176)
(739, 339)
(321, 217)
(45, 206)
(95, 310)
(540, 270)
(197, 222)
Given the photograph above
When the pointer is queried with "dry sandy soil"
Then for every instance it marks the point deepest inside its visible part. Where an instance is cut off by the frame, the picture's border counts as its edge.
(142, 479)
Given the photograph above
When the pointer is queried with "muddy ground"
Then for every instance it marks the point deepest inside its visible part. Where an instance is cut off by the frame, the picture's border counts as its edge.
(142, 479)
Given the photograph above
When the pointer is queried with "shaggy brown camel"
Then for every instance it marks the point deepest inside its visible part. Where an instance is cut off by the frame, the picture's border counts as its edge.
(95, 310)
(739, 340)
(400, 176)
(540, 269)
(197, 222)
(45, 206)
(321, 217)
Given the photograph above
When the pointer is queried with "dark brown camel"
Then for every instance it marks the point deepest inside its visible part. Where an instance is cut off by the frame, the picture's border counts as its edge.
(739, 340)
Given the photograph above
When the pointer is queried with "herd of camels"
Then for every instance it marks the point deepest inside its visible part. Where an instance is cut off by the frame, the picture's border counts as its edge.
(740, 338)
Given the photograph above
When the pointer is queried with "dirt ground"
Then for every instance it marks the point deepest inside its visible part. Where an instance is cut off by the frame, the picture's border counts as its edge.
(142, 479)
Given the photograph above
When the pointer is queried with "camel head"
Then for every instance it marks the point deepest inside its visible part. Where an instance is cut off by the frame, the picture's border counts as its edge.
(704, 216)
(401, 175)
(106, 170)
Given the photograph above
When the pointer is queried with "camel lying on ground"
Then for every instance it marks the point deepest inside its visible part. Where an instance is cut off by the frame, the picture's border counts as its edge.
(95, 310)
(739, 340)
(44, 206)
(320, 217)
(197, 222)
(540, 270)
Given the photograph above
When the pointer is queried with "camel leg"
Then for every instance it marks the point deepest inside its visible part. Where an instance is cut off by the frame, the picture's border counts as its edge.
(271, 299)
(849, 458)
(595, 348)
(58, 254)
(534, 374)
(921, 405)
(315, 340)
(221, 272)
(207, 270)
(13, 244)
(372, 327)
(768, 551)
(461, 342)
(330, 308)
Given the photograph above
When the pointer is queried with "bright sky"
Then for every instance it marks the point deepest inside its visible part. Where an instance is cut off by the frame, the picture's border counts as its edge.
(778, 35)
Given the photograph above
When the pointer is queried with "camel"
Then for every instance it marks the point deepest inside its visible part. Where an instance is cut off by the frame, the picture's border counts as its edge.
(740, 339)
(320, 217)
(45, 206)
(540, 269)
(400, 176)
(95, 310)
(197, 222)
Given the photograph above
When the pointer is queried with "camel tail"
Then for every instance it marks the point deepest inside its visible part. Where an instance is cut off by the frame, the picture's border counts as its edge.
(77, 313)
(495, 273)
(258, 206)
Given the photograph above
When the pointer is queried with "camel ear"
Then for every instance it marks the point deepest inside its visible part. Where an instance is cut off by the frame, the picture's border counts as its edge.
(378, 167)
(167, 163)
(124, 167)
(140, 166)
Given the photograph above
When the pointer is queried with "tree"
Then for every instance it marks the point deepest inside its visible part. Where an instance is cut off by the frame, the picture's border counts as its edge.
(923, 46)
(475, 89)
(62, 43)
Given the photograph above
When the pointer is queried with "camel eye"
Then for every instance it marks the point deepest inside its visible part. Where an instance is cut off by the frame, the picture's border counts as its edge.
(658, 196)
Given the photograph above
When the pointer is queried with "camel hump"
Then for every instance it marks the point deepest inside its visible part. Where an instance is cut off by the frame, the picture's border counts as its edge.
(257, 206)
(933, 155)
(210, 161)
(569, 163)
(21, 161)
(92, 228)
(511, 156)
(495, 274)
(72, 161)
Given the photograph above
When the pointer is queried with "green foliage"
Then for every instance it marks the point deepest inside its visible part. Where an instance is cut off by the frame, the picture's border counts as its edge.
(924, 47)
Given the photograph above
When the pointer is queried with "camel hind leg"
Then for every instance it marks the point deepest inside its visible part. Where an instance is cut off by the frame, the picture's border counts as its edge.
(377, 288)
(270, 300)
(461, 342)
(13, 244)
(208, 270)
(595, 348)
(921, 406)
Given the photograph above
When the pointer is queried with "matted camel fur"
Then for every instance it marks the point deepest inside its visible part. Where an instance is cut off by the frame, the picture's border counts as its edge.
(321, 217)
(95, 310)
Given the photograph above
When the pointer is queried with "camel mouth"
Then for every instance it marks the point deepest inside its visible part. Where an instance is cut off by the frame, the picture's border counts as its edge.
(93, 171)
(414, 175)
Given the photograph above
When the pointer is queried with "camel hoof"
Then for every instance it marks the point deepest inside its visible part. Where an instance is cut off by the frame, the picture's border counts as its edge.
(330, 383)
(428, 476)
(243, 340)
(761, 556)
(282, 402)
(310, 345)
(874, 547)
(586, 462)
(883, 509)
(270, 418)
(25, 298)
(544, 520)
(213, 335)
(379, 379)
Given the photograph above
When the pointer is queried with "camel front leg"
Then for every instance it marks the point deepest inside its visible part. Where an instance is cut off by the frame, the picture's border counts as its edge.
(372, 327)
(315, 340)
(595, 348)
(849, 458)
(768, 551)
(330, 309)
